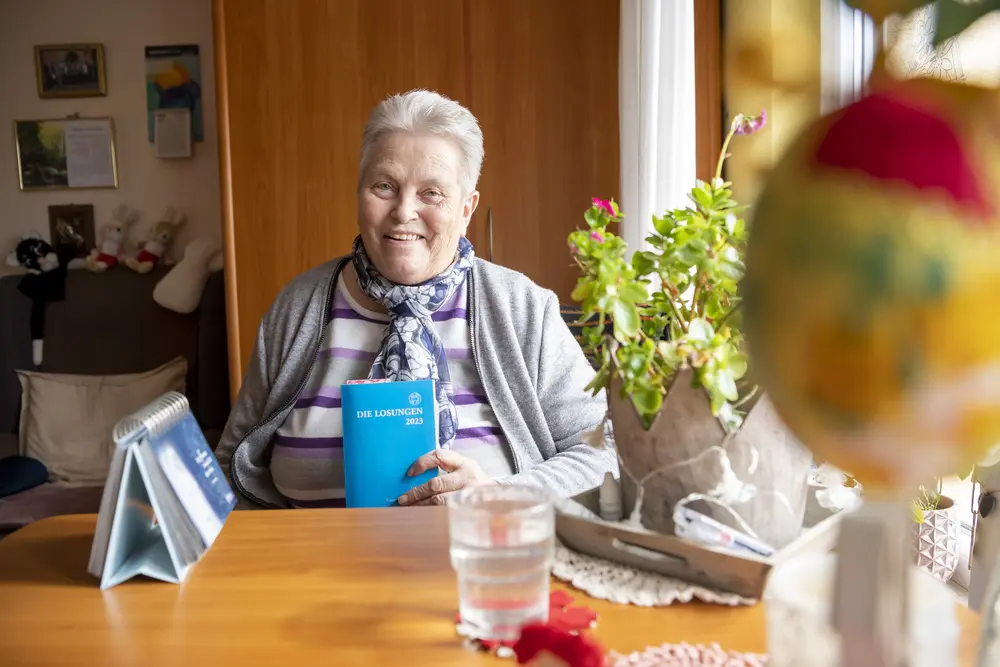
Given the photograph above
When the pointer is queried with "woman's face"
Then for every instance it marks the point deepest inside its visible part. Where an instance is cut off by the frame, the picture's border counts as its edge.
(411, 208)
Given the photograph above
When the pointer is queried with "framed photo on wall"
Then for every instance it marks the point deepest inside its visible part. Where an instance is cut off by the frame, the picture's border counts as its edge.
(70, 70)
(66, 153)
(71, 229)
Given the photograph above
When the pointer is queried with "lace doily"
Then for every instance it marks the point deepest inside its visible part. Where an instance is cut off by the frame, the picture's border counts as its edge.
(686, 655)
(622, 584)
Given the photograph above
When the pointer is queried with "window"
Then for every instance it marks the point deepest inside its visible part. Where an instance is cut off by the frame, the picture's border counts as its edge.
(848, 53)
(971, 57)
(849, 44)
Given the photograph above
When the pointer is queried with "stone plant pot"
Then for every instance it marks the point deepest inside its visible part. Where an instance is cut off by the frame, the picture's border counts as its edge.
(936, 544)
(684, 428)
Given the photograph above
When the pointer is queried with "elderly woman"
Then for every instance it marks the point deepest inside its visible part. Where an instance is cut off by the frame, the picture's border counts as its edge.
(411, 301)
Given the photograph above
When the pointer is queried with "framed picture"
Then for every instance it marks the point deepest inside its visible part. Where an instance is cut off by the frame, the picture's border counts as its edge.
(71, 229)
(66, 153)
(70, 70)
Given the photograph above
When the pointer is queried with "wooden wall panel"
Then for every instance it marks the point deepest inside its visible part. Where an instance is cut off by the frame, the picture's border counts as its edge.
(544, 85)
(708, 85)
(296, 83)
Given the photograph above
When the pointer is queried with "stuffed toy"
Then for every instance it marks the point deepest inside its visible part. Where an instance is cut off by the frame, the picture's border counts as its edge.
(180, 290)
(113, 235)
(155, 249)
(34, 254)
(45, 282)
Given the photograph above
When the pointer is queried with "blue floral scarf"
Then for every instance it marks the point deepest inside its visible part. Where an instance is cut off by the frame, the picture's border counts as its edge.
(411, 348)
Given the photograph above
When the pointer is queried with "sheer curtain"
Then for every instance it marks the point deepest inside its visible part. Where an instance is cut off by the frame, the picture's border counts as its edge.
(657, 111)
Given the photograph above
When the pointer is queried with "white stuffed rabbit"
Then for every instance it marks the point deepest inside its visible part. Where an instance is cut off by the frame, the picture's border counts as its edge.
(113, 236)
(154, 250)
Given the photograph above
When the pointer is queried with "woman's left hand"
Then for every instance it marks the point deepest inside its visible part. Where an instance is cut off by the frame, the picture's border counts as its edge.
(459, 472)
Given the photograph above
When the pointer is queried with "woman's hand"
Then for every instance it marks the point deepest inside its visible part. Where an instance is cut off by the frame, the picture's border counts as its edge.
(459, 472)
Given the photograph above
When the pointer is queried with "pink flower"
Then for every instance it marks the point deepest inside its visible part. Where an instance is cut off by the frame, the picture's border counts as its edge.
(606, 205)
(597, 236)
(749, 124)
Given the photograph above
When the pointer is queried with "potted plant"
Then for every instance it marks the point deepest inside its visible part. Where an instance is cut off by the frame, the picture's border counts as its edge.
(675, 368)
(935, 527)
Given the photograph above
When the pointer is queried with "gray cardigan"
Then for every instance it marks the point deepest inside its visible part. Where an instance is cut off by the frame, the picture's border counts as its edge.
(532, 369)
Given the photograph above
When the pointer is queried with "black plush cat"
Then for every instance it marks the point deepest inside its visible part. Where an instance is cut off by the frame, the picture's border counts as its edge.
(34, 254)
(45, 282)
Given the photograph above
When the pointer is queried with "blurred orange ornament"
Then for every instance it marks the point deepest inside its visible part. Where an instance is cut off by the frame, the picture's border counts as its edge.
(872, 272)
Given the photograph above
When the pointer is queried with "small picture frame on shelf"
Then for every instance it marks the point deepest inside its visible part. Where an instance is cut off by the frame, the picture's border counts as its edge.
(70, 70)
(71, 229)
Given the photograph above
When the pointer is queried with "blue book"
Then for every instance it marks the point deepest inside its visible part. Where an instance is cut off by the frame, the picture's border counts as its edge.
(387, 426)
(166, 498)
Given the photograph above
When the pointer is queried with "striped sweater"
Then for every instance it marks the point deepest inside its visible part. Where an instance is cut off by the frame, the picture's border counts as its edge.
(307, 460)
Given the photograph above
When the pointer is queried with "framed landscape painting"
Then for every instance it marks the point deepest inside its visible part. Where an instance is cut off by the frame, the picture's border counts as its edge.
(61, 153)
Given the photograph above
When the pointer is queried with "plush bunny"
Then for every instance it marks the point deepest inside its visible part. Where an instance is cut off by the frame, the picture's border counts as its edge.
(155, 249)
(113, 235)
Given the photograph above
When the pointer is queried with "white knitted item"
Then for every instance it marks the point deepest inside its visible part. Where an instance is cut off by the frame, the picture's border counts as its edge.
(619, 583)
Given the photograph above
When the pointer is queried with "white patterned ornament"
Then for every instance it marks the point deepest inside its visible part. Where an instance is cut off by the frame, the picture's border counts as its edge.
(936, 543)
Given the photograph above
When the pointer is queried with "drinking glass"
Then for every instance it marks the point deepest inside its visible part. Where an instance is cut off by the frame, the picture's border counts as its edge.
(502, 546)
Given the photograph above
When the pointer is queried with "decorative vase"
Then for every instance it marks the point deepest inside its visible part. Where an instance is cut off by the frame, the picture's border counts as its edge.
(936, 544)
(762, 452)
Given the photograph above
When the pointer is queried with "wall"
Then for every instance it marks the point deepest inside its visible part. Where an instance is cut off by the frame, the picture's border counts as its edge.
(147, 183)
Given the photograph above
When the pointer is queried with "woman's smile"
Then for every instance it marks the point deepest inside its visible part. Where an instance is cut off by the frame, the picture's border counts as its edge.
(403, 239)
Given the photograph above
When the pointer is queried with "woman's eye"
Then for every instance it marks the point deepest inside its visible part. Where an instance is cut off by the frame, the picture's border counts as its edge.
(433, 194)
(383, 187)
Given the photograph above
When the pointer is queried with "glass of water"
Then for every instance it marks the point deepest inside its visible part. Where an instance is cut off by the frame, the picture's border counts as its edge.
(502, 545)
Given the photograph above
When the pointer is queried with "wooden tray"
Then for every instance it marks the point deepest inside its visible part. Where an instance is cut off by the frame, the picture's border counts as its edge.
(720, 569)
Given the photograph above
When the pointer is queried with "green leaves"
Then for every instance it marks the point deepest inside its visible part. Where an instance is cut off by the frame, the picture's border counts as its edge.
(643, 263)
(685, 284)
(626, 319)
(700, 333)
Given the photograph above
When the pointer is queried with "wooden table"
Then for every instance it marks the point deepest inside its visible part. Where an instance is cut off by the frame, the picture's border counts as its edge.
(315, 587)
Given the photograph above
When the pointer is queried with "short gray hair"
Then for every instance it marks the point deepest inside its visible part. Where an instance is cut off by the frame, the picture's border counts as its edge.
(423, 111)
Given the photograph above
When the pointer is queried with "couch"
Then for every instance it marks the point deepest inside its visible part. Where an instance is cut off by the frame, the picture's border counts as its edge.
(107, 324)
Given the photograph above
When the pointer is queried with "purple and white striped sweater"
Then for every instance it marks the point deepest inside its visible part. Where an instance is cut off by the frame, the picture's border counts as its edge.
(307, 460)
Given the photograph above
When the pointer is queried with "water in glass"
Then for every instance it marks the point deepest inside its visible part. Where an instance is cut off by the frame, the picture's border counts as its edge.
(502, 543)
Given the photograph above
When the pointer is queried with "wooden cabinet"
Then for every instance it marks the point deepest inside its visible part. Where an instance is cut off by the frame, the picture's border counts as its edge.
(544, 85)
(297, 79)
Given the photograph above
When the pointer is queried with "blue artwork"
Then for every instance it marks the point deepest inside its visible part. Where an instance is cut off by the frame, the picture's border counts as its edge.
(173, 81)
